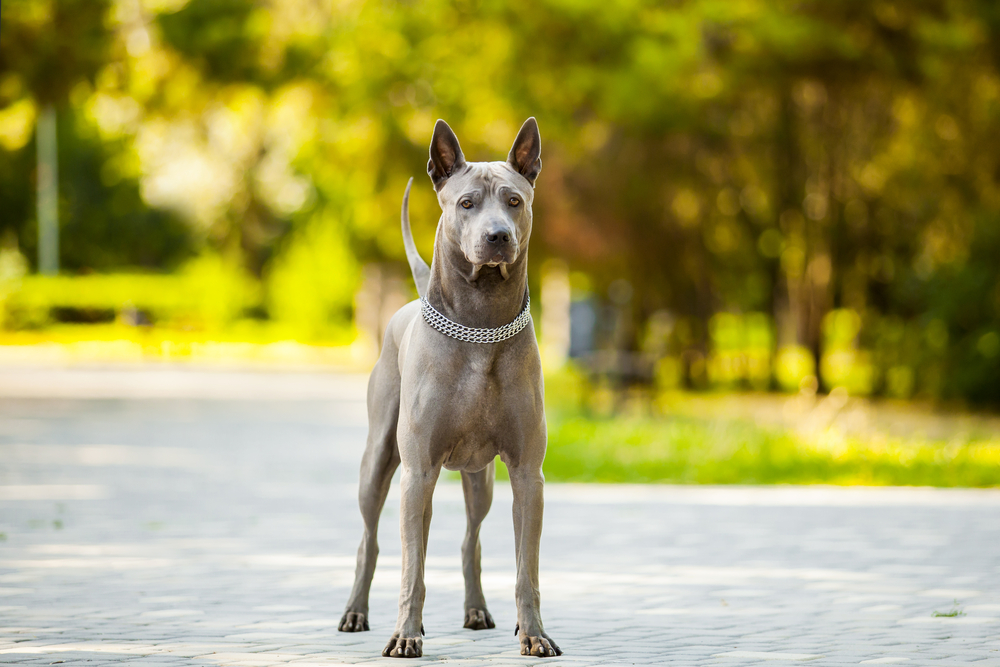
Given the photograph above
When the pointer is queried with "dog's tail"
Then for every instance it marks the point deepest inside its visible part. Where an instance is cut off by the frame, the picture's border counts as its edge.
(421, 272)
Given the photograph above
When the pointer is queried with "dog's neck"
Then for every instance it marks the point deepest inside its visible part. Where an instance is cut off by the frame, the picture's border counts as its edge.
(488, 301)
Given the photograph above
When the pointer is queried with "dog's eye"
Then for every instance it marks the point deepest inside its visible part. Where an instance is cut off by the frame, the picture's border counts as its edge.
(514, 201)
(466, 203)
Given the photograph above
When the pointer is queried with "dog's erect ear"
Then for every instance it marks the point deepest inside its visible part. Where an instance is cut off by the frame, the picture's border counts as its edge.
(446, 154)
(524, 154)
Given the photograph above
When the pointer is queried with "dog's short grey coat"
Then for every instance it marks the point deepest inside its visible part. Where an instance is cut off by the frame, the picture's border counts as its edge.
(436, 401)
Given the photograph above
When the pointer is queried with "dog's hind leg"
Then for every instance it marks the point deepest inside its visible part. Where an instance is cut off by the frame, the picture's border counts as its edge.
(380, 460)
(478, 489)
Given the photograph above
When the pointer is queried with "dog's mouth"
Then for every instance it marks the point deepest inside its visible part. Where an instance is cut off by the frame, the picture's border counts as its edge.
(476, 268)
(500, 259)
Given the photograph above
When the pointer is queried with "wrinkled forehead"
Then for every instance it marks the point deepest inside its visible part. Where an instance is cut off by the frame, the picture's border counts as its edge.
(490, 178)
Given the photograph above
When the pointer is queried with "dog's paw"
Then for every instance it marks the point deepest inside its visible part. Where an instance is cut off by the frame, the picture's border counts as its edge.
(478, 619)
(404, 647)
(541, 646)
(353, 621)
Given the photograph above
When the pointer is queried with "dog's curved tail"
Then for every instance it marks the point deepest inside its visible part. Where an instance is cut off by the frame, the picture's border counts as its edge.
(421, 272)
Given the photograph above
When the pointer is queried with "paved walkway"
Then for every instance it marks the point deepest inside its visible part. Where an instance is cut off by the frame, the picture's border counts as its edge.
(146, 518)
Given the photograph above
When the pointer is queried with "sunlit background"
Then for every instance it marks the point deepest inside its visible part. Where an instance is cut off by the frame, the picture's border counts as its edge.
(766, 242)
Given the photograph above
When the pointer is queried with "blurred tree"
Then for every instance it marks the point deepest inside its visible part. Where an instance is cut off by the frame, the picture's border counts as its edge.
(798, 158)
(49, 46)
(52, 51)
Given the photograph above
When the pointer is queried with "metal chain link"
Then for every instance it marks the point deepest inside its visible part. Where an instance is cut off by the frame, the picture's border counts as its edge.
(469, 334)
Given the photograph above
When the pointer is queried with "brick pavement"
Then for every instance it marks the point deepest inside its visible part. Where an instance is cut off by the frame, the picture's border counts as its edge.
(147, 518)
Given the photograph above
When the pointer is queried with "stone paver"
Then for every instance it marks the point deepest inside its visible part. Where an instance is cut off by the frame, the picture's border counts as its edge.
(148, 519)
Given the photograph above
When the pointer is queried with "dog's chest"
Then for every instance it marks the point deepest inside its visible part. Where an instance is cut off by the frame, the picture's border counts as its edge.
(470, 456)
(475, 416)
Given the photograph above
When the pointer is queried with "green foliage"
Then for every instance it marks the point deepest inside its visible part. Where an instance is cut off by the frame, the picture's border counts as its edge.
(222, 36)
(49, 46)
(761, 172)
(312, 283)
(793, 366)
(206, 293)
(104, 222)
(741, 350)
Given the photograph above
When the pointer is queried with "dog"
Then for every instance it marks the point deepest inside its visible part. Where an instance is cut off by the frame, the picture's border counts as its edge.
(458, 382)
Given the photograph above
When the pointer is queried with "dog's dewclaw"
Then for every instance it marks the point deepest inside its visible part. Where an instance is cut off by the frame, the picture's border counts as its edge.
(540, 647)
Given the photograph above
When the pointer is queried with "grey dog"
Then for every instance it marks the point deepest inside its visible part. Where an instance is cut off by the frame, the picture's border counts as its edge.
(435, 400)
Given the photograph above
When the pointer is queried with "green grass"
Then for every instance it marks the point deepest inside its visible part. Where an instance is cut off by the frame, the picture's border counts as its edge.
(955, 612)
(732, 438)
(689, 450)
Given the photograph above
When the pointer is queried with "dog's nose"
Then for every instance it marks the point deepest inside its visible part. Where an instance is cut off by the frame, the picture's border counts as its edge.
(498, 236)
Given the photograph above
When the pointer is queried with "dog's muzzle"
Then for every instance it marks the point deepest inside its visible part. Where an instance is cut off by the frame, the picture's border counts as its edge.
(497, 247)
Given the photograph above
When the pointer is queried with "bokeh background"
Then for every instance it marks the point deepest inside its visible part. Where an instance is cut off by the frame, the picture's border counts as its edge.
(767, 238)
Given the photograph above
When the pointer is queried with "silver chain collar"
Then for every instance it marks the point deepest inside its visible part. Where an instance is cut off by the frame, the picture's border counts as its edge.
(469, 334)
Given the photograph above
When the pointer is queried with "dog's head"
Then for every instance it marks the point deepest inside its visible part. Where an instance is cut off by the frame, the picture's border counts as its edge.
(486, 205)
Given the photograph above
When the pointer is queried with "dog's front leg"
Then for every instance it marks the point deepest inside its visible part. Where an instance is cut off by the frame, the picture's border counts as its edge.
(527, 483)
(416, 490)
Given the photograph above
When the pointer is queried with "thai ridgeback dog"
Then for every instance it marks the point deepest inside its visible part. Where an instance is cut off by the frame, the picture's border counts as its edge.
(457, 383)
